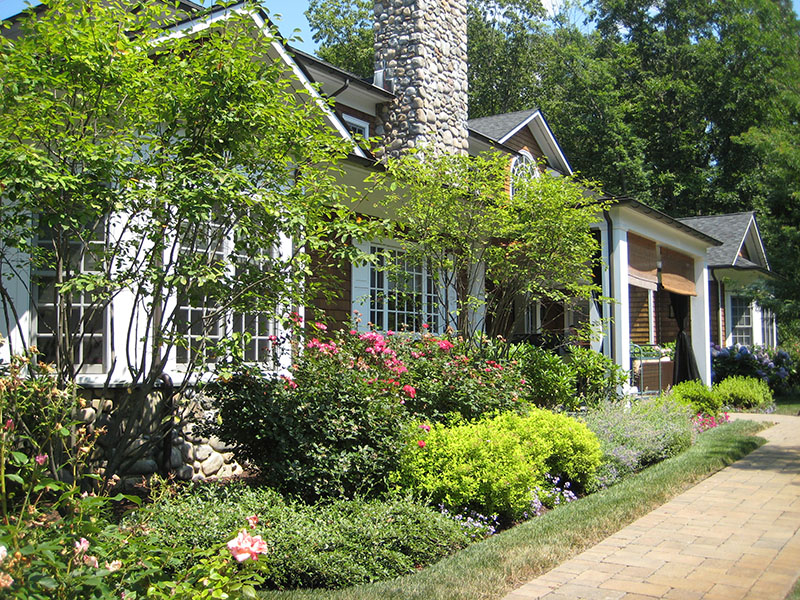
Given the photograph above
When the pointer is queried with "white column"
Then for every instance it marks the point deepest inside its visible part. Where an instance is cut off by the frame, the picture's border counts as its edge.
(701, 321)
(605, 284)
(756, 318)
(621, 312)
(17, 334)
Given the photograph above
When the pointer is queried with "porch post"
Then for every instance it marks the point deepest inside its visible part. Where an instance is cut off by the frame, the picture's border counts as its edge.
(621, 307)
(701, 321)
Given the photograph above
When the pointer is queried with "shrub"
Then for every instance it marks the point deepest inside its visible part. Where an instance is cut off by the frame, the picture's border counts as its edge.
(495, 465)
(453, 378)
(343, 543)
(597, 377)
(774, 366)
(551, 383)
(634, 435)
(697, 396)
(743, 392)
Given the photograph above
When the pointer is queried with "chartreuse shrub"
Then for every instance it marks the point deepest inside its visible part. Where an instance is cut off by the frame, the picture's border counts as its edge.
(698, 397)
(634, 435)
(743, 392)
(498, 464)
(343, 543)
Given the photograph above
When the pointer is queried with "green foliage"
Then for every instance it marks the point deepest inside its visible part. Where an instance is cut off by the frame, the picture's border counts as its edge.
(496, 465)
(169, 169)
(344, 33)
(634, 435)
(551, 381)
(695, 394)
(743, 392)
(534, 244)
(452, 377)
(325, 546)
(598, 378)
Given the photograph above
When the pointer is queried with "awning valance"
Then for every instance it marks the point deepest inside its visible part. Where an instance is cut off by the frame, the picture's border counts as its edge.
(677, 272)
(642, 262)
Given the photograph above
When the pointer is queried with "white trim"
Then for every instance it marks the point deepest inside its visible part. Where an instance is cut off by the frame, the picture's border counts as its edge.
(356, 122)
(545, 138)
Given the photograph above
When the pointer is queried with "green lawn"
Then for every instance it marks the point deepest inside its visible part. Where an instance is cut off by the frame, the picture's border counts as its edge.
(787, 405)
(494, 567)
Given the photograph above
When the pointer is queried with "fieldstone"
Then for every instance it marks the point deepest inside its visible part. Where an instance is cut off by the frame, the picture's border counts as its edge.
(143, 466)
(86, 415)
(175, 458)
(186, 450)
(218, 445)
(212, 464)
(202, 452)
(184, 473)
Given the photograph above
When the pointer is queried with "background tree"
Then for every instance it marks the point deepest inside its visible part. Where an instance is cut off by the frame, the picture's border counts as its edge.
(164, 171)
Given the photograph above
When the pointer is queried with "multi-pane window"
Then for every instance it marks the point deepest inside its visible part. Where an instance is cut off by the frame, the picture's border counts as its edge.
(402, 294)
(523, 168)
(202, 325)
(741, 321)
(83, 311)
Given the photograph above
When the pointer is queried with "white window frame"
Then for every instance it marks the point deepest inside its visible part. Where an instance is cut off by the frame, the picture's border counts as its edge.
(363, 292)
(105, 328)
(745, 335)
(522, 165)
(356, 126)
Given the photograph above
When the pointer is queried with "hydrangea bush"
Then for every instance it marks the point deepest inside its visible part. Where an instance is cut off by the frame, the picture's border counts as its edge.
(774, 366)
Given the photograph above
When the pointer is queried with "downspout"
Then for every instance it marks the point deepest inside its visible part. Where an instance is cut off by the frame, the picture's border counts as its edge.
(609, 319)
(722, 339)
(341, 89)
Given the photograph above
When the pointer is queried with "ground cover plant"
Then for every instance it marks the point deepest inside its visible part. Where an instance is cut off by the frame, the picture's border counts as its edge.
(636, 434)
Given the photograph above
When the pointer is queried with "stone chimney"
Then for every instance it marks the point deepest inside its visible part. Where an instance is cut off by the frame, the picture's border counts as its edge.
(421, 56)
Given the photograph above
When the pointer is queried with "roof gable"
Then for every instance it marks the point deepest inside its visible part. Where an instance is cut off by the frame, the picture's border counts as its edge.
(275, 50)
(503, 128)
(742, 246)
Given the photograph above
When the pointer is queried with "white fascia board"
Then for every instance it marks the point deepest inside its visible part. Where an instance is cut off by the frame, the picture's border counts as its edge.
(661, 233)
(195, 26)
(544, 137)
(753, 231)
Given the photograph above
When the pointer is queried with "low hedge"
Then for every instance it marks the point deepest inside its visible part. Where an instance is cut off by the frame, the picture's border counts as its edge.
(747, 393)
(497, 465)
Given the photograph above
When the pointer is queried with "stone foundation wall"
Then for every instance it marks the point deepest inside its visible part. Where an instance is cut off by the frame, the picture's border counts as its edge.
(191, 455)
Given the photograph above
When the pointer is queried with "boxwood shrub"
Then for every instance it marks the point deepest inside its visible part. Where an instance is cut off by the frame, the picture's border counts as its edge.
(496, 465)
(744, 392)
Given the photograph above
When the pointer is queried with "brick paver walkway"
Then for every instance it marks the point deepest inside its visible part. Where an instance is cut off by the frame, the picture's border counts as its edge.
(734, 536)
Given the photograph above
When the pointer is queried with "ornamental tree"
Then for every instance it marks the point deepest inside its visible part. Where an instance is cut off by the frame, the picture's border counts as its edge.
(490, 248)
(189, 174)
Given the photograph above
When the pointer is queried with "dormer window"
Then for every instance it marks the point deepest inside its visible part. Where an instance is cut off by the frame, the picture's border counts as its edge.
(523, 168)
(356, 126)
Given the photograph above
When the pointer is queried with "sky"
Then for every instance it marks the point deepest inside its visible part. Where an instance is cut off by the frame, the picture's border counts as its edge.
(291, 12)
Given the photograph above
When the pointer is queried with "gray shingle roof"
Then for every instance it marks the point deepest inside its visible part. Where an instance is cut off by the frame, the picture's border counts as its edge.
(730, 230)
(497, 126)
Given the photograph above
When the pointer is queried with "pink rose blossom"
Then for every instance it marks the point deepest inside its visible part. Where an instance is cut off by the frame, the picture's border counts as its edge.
(245, 546)
(421, 443)
(90, 561)
(41, 459)
(5, 580)
(410, 391)
(425, 326)
(9, 425)
(321, 326)
(3, 553)
(114, 565)
(253, 521)
(81, 546)
(425, 427)
(445, 345)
